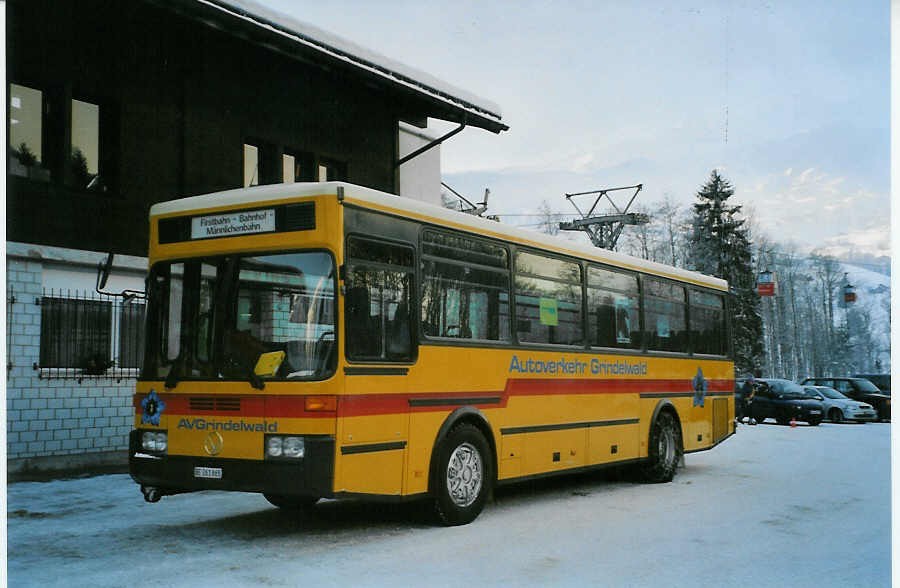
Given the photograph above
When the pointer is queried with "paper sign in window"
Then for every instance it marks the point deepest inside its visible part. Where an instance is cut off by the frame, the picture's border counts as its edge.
(549, 312)
(268, 363)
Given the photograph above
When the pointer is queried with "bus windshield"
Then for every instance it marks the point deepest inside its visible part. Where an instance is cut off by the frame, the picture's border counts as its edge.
(241, 317)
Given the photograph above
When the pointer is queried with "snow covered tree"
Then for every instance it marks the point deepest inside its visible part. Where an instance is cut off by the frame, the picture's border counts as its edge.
(548, 221)
(671, 219)
(720, 246)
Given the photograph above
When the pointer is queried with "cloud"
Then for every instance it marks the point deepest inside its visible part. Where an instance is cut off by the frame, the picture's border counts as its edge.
(818, 207)
(874, 239)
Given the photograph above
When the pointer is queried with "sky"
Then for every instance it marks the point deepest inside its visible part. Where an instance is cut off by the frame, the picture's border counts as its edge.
(789, 100)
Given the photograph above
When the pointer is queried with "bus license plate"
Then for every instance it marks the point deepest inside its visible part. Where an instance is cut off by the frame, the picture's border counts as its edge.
(210, 473)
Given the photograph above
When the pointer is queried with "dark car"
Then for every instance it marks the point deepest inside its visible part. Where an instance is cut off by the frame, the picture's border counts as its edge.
(881, 381)
(858, 389)
(784, 401)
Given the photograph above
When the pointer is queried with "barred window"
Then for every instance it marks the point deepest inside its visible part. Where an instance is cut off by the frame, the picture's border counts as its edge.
(131, 334)
(76, 333)
(94, 335)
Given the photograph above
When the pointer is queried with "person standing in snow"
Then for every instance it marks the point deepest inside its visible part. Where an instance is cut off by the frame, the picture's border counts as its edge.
(748, 392)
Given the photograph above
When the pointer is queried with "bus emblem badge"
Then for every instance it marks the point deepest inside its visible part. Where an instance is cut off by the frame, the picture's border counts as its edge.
(213, 443)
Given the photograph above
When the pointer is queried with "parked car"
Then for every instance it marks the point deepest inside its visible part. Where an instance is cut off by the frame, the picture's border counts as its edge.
(784, 401)
(838, 408)
(857, 389)
(881, 381)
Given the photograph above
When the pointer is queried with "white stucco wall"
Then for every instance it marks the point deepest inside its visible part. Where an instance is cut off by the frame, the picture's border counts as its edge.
(420, 178)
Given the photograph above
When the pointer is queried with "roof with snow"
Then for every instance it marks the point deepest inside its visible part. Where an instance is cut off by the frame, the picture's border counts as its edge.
(285, 34)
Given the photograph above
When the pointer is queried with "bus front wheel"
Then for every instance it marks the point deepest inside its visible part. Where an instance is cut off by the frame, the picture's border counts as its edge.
(665, 449)
(463, 475)
(303, 504)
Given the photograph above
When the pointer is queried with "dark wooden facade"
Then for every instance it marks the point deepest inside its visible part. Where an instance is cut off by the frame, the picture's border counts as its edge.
(178, 99)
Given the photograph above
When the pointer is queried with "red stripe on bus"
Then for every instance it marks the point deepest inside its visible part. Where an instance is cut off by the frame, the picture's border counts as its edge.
(534, 386)
(372, 404)
(267, 406)
(294, 406)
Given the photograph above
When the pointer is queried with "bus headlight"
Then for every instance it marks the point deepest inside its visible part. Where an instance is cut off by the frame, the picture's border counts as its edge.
(285, 447)
(274, 446)
(156, 441)
(293, 447)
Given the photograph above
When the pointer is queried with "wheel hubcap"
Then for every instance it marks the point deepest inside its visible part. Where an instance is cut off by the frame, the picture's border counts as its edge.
(464, 475)
(667, 447)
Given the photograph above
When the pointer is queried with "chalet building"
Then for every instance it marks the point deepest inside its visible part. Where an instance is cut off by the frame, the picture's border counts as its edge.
(114, 105)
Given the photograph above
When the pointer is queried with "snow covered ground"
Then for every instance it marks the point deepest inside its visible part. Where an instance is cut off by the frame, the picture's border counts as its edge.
(773, 506)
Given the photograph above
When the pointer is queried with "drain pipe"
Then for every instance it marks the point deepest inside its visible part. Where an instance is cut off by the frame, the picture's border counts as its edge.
(434, 143)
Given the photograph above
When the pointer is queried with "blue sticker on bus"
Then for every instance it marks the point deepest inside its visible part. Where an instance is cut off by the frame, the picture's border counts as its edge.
(153, 406)
(700, 386)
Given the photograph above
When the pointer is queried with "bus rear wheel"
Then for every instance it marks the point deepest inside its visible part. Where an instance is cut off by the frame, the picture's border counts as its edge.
(665, 449)
(463, 475)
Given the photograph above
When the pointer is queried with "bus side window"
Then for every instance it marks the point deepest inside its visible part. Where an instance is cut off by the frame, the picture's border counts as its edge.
(665, 327)
(465, 290)
(548, 300)
(377, 303)
(360, 334)
(398, 339)
(613, 306)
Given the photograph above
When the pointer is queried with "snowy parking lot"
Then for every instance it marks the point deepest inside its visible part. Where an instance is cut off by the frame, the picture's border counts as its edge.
(772, 506)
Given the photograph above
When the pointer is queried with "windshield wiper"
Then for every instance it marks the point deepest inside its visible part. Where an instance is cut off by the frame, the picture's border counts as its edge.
(256, 381)
(172, 376)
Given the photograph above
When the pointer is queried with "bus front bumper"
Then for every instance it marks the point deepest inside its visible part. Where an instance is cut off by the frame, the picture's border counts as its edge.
(311, 476)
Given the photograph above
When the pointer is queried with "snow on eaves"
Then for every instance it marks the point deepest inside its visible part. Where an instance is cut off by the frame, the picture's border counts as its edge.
(356, 55)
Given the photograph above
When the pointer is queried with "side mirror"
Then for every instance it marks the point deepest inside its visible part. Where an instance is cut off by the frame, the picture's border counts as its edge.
(103, 270)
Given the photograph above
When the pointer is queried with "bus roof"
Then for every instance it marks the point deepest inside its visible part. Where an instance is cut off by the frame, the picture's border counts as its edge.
(414, 209)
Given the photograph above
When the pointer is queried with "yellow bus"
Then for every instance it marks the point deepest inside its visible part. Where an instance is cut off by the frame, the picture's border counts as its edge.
(325, 340)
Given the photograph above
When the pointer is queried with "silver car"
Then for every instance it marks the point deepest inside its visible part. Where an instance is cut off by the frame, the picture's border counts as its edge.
(838, 408)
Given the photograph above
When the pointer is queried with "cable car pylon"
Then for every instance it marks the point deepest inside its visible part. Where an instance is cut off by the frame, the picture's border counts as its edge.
(604, 230)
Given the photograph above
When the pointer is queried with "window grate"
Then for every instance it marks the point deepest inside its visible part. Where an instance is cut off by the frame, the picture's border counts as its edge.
(90, 335)
(10, 300)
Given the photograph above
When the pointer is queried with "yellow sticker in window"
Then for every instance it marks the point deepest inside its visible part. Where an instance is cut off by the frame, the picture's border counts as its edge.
(549, 312)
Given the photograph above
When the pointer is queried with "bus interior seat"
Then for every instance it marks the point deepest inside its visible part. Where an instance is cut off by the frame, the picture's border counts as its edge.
(398, 337)
(361, 329)
(325, 354)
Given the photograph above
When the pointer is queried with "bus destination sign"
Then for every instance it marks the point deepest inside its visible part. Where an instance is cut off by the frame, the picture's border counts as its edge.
(233, 224)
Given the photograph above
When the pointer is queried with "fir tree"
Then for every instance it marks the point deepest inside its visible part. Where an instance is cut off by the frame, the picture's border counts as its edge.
(80, 175)
(720, 246)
